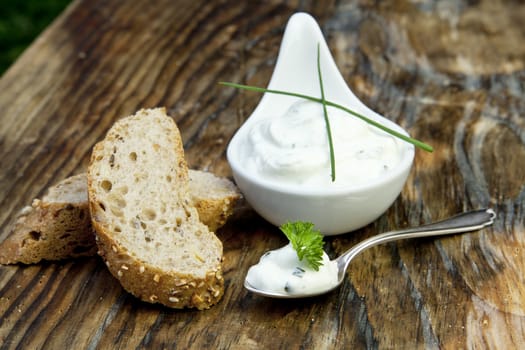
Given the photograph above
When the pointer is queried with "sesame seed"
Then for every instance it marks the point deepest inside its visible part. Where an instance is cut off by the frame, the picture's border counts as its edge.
(142, 269)
(156, 278)
(173, 299)
(119, 273)
(124, 267)
(27, 209)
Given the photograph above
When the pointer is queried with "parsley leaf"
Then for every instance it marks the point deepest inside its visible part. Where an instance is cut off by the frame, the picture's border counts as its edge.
(307, 242)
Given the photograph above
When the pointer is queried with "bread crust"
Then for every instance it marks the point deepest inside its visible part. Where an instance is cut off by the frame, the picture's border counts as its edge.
(145, 280)
(154, 285)
(214, 198)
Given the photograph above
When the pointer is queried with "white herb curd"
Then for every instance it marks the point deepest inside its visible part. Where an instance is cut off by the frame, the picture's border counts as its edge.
(281, 271)
(293, 148)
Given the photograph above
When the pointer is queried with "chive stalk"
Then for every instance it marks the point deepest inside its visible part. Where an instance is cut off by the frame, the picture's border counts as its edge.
(325, 112)
(420, 144)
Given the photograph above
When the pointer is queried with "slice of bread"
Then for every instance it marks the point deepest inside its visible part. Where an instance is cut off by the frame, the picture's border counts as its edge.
(147, 229)
(58, 226)
(214, 197)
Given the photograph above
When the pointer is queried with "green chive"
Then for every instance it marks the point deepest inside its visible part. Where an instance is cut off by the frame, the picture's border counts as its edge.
(325, 112)
(417, 143)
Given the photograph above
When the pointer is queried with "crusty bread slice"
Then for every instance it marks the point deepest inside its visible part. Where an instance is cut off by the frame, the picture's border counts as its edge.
(56, 227)
(147, 230)
(214, 197)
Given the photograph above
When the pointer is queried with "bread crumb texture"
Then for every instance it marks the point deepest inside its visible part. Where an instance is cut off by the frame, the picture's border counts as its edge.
(147, 229)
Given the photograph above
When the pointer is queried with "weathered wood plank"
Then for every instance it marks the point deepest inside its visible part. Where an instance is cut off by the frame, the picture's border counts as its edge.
(452, 74)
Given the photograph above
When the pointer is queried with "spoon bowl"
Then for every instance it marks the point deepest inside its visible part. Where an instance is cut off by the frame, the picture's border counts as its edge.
(465, 222)
(333, 210)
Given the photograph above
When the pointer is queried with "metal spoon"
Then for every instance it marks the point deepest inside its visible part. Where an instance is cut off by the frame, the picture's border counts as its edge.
(469, 221)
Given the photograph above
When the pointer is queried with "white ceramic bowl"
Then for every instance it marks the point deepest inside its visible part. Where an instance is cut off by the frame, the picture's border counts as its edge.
(336, 210)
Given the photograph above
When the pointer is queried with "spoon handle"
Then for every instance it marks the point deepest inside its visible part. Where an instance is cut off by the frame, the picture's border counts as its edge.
(464, 222)
(469, 221)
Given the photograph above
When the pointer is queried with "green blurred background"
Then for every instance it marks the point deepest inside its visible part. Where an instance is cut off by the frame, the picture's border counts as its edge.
(20, 23)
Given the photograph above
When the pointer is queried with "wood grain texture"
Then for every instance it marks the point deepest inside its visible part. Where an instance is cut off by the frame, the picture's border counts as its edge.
(451, 73)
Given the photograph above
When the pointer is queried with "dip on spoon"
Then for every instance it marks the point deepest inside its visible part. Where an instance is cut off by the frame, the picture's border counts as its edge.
(281, 271)
(276, 274)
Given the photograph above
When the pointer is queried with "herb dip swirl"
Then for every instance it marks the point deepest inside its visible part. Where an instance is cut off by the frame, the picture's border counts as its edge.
(293, 148)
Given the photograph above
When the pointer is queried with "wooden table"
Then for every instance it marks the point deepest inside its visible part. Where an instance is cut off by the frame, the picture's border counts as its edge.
(452, 74)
